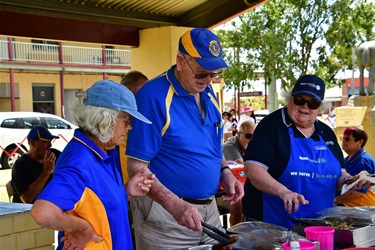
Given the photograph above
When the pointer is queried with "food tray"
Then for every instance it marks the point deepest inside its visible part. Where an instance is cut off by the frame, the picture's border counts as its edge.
(248, 226)
(357, 237)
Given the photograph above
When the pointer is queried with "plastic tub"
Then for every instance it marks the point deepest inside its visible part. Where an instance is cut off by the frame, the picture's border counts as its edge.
(304, 245)
(323, 234)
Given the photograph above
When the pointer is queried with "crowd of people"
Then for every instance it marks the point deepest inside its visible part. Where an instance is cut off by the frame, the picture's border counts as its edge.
(162, 147)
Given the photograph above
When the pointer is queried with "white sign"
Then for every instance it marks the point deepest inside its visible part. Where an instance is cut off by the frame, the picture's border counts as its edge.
(80, 93)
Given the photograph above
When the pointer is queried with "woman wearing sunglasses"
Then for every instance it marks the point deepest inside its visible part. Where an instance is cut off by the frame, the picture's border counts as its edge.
(293, 161)
(234, 150)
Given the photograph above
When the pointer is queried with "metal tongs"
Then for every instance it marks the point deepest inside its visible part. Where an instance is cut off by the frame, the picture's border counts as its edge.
(216, 233)
(291, 240)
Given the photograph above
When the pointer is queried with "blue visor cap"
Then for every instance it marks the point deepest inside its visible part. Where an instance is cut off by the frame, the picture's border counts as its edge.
(112, 95)
(204, 46)
(40, 133)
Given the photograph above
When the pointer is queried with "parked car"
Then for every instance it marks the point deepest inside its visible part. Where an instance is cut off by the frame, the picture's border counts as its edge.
(260, 114)
(14, 127)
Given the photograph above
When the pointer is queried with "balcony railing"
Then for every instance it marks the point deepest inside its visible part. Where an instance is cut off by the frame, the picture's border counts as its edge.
(49, 53)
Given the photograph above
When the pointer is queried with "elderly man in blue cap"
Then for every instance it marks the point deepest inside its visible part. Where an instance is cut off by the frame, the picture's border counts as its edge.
(33, 170)
(182, 148)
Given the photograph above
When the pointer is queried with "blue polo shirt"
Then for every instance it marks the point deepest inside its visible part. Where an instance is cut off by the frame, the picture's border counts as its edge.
(87, 184)
(360, 161)
(182, 147)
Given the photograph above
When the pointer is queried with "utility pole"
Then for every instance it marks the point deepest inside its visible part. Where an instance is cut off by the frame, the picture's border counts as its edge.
(353, 85)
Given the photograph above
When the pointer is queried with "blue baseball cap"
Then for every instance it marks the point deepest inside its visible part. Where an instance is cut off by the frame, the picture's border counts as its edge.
(40, 133)
(310, 85)
(112, 95)
(204, 46)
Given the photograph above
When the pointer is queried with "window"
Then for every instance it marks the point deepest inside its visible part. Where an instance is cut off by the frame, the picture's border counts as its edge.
(30, 122)
(5, 90)
(109, 50)
(44, 45)
(53, 123)
(8, 123)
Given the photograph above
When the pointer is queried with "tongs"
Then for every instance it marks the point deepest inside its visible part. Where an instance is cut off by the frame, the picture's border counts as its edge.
(291, 240)
(216, 233)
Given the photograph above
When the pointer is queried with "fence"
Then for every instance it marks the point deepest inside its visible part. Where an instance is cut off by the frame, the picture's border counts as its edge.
(49, 53)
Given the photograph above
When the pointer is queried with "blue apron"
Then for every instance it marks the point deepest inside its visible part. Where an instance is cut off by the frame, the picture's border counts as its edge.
(312, 171)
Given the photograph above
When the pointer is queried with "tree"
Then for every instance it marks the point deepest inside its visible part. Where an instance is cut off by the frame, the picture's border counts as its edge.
(286, 39)
(251, 45)
(352, 24)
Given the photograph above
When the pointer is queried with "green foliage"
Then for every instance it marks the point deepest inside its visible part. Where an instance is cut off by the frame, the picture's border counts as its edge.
(352, 23)
(256, 102)
(286, 39)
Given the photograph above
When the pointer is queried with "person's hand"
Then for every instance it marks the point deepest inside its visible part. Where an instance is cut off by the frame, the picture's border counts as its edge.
(49, 161)
(140, 184)
(187, 215)
(78, 240)
(362, 184)
(233, 188)
(292, 200)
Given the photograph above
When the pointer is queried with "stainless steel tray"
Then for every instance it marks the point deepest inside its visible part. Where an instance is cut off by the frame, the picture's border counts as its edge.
(248, 226)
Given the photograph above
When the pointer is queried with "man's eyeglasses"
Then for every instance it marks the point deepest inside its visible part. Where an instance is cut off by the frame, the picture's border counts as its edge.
(201, 76)
(247, 135)
(345, 138)
(300, 101)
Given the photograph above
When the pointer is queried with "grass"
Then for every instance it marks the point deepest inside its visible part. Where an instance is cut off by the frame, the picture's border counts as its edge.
(5, 176)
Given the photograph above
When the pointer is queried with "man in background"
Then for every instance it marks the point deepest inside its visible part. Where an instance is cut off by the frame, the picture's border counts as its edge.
(133, 80)
(33, 170)
(234, 150)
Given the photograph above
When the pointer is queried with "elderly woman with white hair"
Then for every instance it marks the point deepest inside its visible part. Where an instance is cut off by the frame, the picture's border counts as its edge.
(86, 198)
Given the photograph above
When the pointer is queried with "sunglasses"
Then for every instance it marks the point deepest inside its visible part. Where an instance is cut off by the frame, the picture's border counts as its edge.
(127, 119)
(344, 138)
(201, 76)
(248, 135)
(300, 101)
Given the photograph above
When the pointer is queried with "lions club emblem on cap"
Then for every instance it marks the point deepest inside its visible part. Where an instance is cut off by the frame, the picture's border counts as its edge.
(214, 48)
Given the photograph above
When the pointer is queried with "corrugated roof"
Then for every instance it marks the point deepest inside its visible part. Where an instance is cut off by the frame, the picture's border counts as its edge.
(137, 13)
